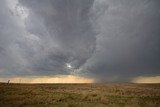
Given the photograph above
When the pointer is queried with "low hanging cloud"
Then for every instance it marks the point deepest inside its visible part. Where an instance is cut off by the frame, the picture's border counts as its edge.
(113, 41)
(128, 44)
(49, 35)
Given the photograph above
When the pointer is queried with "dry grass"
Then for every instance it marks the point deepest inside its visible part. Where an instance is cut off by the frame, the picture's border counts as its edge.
(80, 95)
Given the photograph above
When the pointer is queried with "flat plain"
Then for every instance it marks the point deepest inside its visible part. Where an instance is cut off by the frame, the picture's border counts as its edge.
(79, 95)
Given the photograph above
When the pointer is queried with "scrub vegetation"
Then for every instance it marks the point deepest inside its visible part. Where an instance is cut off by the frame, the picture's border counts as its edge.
(79, 95)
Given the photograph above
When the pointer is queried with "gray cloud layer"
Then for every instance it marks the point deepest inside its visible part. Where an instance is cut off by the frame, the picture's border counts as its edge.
(105, 39)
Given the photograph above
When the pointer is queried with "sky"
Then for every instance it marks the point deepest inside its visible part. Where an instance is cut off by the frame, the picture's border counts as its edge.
(80, 40)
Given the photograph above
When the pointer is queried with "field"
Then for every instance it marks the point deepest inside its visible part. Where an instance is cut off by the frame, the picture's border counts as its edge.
(79, 95)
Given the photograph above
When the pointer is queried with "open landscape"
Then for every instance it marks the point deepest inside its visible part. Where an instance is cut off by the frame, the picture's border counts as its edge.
(79, 53)
(80, 95)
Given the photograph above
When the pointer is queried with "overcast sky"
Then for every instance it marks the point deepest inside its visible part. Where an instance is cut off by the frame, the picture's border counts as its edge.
(108, 40)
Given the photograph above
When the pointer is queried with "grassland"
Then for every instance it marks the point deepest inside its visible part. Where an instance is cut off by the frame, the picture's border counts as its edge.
(79, 95)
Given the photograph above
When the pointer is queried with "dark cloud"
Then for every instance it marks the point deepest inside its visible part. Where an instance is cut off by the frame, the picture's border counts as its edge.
(54, 33)
(109, 40)
(67, 24)
(128, 44)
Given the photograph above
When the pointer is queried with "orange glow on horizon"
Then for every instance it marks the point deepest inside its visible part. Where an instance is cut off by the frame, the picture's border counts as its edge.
(48, 79)
(154, 79)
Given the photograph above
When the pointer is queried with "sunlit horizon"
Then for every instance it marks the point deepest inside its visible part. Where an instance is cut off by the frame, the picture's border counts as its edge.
(71, 79)
(48, 79)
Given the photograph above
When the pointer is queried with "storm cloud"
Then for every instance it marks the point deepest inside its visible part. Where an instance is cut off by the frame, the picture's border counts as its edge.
(110, 41)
